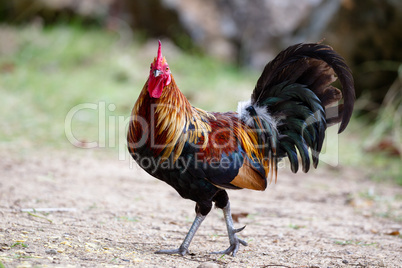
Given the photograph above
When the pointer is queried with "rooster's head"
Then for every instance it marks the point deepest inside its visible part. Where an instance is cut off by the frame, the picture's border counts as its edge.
(159, 75)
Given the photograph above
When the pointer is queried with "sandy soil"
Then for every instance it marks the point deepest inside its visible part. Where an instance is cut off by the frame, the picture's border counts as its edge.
(98, 211)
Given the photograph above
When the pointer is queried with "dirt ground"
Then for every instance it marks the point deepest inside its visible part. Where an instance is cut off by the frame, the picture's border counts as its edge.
(85, 208)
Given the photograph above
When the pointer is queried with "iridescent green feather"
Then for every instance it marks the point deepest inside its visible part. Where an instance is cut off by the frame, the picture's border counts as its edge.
(296, 90)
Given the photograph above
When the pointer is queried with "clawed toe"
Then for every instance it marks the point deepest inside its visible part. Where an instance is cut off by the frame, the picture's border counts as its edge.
(244, 243)
(234, 241)
(233, 248)
(181, 250)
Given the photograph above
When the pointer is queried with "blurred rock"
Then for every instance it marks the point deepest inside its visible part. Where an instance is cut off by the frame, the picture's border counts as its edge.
(208, 265)
(368, 33)
(247, 32)
(17, 11)
(187, 23)
(261, 28)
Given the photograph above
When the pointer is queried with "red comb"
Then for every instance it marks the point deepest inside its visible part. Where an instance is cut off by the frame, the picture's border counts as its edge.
(159, 58)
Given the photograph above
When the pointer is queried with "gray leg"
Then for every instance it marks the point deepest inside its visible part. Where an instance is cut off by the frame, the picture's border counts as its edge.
(234, 241)
(183, 249)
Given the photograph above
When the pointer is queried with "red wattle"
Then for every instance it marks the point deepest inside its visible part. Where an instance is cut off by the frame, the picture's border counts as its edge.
(155, 87)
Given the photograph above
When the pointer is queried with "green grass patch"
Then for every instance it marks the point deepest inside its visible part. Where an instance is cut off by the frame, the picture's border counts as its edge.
(127, 219)
(353, 242)
(379, 166)
(296, 226)
(19, 244)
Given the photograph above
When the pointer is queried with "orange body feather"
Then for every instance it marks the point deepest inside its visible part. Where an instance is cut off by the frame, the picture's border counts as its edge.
(167, 129)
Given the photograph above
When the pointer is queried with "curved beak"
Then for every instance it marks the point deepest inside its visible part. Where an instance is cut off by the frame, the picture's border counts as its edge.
(157, 73)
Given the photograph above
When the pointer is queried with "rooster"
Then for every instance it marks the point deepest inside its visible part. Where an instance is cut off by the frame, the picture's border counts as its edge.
(202, 154)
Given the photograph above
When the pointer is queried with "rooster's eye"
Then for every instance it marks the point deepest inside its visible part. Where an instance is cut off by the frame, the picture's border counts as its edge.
(167, 68)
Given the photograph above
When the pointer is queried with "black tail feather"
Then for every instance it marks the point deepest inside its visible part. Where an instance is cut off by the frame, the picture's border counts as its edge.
(296, 90)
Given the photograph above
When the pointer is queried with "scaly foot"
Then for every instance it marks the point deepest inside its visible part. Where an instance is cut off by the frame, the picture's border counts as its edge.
(183, 249)
(234, 243)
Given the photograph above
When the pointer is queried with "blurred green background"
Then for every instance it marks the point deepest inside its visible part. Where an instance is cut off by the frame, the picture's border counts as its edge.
(55, 55)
